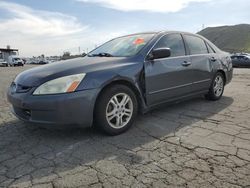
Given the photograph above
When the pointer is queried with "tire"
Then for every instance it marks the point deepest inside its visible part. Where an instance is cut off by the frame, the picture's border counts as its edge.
(112, 115)
(217, 87)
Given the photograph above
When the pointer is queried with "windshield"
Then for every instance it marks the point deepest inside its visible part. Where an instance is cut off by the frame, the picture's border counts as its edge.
(17, 59)
(122, 47)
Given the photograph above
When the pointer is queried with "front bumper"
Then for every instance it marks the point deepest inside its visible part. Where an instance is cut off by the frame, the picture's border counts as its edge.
(73, 109)
(18, 63)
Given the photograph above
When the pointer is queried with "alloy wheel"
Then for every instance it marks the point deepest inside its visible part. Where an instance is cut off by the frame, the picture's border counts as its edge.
(218, 85)
(119, 110)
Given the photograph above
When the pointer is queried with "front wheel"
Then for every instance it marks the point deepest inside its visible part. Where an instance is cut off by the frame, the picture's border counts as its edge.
(217, 87)
(116, 109)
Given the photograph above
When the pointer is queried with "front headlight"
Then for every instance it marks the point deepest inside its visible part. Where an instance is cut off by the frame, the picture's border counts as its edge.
(64, 84)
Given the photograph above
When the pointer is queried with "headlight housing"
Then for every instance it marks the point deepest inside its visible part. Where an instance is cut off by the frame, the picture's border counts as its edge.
(66, 84)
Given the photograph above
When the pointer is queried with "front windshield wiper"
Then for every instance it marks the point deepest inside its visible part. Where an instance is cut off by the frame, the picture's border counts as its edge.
(102, 54)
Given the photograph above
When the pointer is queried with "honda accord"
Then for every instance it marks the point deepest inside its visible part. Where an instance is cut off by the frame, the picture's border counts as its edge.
(124, 76)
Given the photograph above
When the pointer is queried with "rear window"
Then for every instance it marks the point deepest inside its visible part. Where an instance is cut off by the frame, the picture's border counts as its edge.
(196, 45)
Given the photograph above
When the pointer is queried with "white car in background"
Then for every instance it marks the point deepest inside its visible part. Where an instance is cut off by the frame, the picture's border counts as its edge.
(14, 60)
(3, 63)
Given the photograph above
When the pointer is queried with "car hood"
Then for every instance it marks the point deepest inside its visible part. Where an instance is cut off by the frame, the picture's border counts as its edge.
(38, 75)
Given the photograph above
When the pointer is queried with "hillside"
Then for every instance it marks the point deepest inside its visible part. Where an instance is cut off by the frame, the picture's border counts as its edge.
(229, 38)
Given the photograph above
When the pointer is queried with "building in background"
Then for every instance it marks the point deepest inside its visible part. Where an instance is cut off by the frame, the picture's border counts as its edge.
(5, 53)
(11, 57)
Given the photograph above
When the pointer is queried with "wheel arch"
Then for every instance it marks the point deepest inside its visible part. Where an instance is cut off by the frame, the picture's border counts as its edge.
(224, 75)
(132, 86)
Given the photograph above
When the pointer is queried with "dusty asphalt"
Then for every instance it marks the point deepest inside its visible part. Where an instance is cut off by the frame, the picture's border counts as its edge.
(197, 143)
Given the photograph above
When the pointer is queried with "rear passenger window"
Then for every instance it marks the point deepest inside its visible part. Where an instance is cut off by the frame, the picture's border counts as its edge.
(196, 45)
(174, 42)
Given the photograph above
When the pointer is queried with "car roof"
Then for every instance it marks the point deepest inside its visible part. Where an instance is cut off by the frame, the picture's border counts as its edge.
(163, 32)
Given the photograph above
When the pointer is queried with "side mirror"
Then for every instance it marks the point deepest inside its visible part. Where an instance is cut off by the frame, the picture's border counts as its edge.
(159, 53)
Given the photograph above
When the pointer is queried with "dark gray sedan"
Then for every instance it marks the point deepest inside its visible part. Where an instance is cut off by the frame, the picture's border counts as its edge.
(242, 60)
(124, 76)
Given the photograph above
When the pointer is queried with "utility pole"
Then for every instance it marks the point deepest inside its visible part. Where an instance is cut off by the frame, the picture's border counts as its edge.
(203, 26)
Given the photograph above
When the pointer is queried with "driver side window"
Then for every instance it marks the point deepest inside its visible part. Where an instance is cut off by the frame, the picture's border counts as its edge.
(174, 42)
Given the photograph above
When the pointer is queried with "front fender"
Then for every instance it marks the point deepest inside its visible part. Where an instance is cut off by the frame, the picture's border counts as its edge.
(129, 72)
(131, 75)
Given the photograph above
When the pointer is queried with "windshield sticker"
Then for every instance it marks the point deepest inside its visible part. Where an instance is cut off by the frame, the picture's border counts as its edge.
(139, 41)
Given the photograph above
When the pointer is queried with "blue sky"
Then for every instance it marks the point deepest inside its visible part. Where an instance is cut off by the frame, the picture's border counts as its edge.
(51, 27)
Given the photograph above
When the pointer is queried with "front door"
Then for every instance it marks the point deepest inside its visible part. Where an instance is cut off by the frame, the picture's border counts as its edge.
(168, 78)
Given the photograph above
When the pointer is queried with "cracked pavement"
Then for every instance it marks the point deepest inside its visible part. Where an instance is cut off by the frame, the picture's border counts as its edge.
(196, 143)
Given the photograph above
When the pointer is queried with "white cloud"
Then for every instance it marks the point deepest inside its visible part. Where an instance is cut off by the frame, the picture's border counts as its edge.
(36, 32)
(144, 5)
(28, 21)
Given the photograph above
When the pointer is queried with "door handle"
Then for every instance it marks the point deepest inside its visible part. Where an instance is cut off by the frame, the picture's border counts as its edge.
(186, 63)
(213, 59)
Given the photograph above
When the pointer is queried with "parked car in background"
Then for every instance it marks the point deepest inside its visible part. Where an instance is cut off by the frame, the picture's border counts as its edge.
(33, 61)
(241, 60)
(43, 62)
(3, 63)
(38, 61)
(121, 77)
(24, 60)
(15, 60)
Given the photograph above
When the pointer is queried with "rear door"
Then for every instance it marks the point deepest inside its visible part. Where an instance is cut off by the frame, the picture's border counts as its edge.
(171, 77)
(244, 61)
(201, 61)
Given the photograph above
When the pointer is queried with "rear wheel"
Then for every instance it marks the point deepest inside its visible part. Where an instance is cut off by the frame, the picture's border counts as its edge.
(116, 109)
(217, 87)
